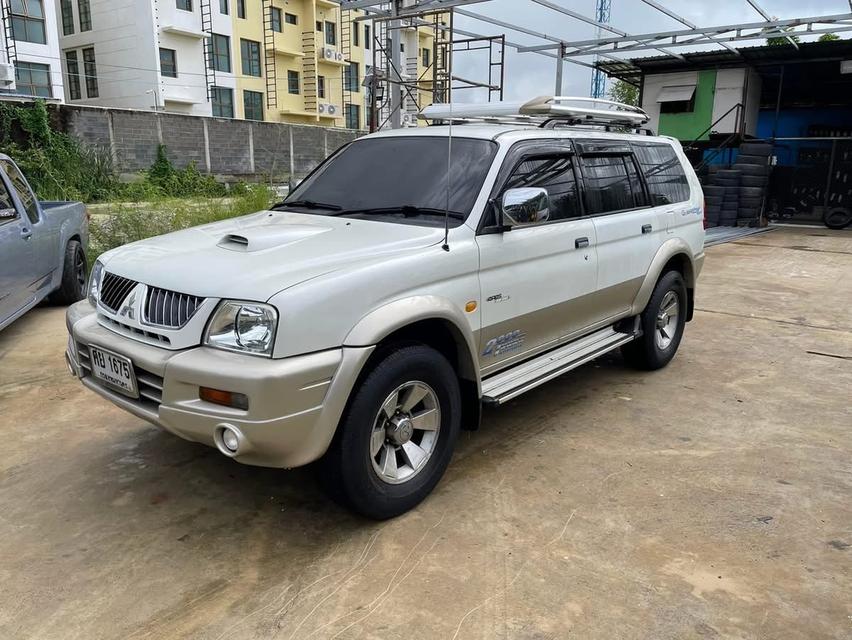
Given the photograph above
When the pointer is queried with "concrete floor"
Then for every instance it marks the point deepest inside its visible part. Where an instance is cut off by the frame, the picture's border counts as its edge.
(710, 499)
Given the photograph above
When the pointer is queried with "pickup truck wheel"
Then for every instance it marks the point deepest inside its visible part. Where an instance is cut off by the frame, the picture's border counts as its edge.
(74, 275)
(397, 436)
(662, 321)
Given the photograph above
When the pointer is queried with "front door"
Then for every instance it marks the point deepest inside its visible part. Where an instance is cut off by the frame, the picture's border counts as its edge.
(534, 278)
(16, 258)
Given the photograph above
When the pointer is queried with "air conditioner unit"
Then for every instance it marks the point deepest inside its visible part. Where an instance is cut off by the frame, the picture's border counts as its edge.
(332, 55)
(7, 75)
(326, 109)
(338, 56)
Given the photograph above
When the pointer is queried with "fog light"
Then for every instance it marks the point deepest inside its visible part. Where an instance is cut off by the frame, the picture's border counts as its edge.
(230, 439)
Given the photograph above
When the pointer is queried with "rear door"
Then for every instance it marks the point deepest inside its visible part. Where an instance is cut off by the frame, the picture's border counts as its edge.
(535, 278)
(628, 230)
(16, 256)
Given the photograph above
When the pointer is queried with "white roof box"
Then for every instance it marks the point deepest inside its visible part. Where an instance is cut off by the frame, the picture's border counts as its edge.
(573, 109)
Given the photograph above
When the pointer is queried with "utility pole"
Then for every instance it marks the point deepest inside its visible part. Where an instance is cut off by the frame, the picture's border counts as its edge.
(395, 60)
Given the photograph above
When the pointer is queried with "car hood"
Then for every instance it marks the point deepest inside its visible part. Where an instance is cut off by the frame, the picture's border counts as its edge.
(256, 256)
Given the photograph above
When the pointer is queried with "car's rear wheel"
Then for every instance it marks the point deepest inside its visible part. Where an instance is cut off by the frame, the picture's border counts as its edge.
(397, 435)
(662, 321)
(74, 275)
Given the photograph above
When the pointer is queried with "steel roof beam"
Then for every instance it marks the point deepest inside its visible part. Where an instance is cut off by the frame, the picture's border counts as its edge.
(768, 18)
(674, 16)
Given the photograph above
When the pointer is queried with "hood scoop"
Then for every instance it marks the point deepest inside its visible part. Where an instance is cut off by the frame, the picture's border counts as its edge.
(267, 236)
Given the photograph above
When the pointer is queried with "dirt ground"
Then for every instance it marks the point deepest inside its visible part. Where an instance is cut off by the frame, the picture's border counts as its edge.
(712, 499)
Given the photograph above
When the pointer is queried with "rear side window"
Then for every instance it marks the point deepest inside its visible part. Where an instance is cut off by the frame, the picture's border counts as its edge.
(6, 203)
(666, 179)
(555, 174)
(611, 184)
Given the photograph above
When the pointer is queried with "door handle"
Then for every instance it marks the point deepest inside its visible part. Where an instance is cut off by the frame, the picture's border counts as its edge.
(26, 234)
(579, 243)
(646, 228)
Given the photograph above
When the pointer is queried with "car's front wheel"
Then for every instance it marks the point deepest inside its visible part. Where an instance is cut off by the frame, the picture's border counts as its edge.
(397, 436)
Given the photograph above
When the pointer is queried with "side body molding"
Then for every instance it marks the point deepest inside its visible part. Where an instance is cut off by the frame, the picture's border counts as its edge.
(672, 248)
(396, 315)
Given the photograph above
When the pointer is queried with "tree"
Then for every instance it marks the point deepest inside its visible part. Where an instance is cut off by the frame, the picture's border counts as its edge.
(828, 37)
(624, 92)
(782, 40)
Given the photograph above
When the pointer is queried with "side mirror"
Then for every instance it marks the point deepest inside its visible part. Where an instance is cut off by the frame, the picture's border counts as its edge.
(8, 214)
(524, 206)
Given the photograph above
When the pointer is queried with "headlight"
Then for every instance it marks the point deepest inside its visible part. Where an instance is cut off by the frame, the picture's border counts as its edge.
(248, 327)
(95, 283)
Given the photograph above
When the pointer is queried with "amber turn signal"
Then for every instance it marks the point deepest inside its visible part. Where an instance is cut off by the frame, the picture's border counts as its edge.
(470, 307)
(224, 398)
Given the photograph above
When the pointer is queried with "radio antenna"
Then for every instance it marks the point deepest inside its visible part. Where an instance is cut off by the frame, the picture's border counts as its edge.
(446, 245)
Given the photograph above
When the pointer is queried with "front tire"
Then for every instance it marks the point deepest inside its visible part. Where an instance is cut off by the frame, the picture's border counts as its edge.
(74, 275)
(662, 321)
(397, 436)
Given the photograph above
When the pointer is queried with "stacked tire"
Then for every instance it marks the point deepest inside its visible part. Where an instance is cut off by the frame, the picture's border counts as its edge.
(729, 181)
(713, 198)
(753, 165)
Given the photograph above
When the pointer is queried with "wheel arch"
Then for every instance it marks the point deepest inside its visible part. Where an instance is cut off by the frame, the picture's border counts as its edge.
(675, 254)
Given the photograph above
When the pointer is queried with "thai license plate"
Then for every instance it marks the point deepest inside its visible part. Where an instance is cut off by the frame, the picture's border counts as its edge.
(114, 370)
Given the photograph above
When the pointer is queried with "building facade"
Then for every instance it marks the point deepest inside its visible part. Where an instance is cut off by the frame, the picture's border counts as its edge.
(29, 49)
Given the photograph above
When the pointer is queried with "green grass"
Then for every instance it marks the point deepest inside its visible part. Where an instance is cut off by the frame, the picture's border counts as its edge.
(116, 224)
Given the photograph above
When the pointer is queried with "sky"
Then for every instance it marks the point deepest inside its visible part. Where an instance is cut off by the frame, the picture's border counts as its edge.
(528, 75)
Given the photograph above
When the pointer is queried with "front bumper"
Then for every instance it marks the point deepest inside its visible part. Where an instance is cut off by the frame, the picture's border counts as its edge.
(294, 403)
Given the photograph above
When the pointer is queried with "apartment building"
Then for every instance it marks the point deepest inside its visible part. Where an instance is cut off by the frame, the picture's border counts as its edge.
(29, 49)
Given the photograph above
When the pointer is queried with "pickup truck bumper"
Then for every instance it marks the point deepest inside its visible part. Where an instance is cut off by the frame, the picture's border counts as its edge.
(294, 404)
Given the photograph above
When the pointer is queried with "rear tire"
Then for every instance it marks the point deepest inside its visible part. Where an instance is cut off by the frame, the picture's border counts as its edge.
(662, 322)
(74, 275)
(372, 467)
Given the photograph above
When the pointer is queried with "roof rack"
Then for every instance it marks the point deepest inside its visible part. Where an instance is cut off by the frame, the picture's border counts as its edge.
(545, 111)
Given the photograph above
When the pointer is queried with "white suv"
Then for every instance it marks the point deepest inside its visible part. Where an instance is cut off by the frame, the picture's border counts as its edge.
(411, 277)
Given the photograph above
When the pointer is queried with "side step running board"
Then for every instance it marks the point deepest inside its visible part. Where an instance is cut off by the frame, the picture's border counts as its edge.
(504, 386)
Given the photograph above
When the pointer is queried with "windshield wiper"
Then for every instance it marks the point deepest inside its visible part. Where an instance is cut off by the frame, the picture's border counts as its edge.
(408, 210)
(306, 204)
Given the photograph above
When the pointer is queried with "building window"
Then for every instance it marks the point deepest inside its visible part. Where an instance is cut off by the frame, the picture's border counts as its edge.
(241, 9)
(184, 5)
(353, 116)
(250, 55)
(350, 77)
(223, 102)
(28, 21)
(366, 36)
(220, 58)
(224, 9)
(253, 105)
(402, 47)
(85, 12)
(319, 26)
(168, 63)
(427, 58)
(293, 82)
(356, 35)
(321, 86)
(291, 18)
(72, 67)
(275, 15)
(67, 12)
(91, 71)
(330, 33)
(33, 79)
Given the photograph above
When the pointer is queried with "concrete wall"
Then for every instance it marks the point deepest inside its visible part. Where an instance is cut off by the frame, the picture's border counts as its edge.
(221, 147)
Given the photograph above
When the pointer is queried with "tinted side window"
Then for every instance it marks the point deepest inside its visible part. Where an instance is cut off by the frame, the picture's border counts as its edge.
(664, 174)
(555, 174)
(24, 193)
(611, 184)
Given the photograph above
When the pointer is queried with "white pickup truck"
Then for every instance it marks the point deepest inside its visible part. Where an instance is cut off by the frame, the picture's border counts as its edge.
(413, 276)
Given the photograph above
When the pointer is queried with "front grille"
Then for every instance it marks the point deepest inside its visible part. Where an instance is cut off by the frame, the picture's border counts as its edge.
(150, 385)
(134, 332)
(114, 290)
(169, 308)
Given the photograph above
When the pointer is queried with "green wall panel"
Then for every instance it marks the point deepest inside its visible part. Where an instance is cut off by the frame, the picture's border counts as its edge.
(686, 126)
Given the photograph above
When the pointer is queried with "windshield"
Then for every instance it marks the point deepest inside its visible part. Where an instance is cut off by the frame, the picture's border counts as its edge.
(387, 175)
